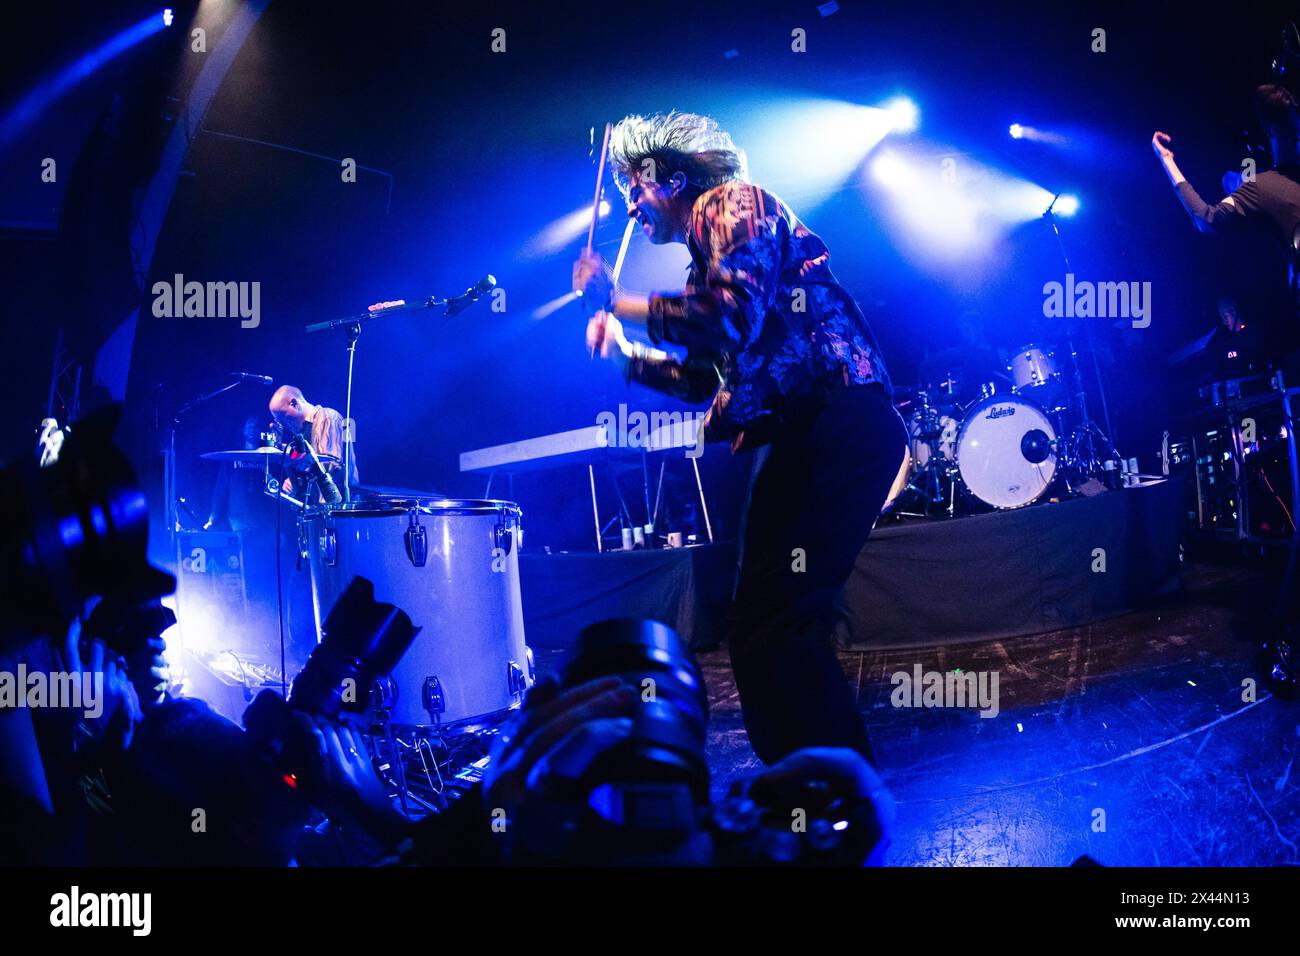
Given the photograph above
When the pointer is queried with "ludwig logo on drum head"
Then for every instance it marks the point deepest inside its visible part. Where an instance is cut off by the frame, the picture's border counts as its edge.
(1004, 411)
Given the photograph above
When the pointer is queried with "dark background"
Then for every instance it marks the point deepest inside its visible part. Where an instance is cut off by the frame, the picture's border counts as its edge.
(484, 150)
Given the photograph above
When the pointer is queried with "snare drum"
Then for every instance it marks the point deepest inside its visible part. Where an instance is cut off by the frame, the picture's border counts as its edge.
(453, 566)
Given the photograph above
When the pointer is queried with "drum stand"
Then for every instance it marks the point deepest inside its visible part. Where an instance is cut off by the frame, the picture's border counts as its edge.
(395, 760)
(422, 743)
(929, 481)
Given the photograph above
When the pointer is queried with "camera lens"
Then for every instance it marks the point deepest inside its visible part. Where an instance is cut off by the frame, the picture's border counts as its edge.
(669, 728)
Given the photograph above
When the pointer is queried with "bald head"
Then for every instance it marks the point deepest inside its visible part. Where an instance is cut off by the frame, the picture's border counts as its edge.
(290, 409)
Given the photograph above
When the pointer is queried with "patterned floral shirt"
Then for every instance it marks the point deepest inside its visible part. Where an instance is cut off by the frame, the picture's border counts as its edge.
(762, 318)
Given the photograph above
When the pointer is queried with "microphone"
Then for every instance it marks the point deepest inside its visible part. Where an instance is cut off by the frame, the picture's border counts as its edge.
(463, 301)
(330, 490)
(250, 377)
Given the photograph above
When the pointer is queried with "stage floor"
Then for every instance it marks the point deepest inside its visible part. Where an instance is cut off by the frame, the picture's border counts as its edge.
(1139, 716)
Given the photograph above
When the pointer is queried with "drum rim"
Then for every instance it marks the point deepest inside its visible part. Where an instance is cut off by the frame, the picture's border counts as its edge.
(961, 433)
(1021, 358)
(1050, 353)
(381, 507)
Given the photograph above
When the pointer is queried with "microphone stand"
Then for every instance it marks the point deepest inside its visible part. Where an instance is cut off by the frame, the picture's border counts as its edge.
(170, 511)
(1087, 423)
(352, 325)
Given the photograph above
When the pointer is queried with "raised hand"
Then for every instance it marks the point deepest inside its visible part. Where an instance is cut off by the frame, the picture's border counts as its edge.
(1160, 144)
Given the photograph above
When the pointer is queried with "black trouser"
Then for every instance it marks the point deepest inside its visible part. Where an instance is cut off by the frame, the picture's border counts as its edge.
(828, 472)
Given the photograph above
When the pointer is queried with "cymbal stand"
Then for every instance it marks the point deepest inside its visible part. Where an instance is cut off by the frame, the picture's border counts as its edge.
(1083, 451)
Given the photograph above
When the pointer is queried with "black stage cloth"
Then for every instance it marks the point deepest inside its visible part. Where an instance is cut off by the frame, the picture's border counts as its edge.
(1015, 572)
(686, 588)
(917, 583)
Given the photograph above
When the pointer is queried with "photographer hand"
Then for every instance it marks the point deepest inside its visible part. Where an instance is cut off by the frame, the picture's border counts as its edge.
(133, 630)
(149, 673)
(117, 709)
(851, 778)
(341, 780)
(556, 734)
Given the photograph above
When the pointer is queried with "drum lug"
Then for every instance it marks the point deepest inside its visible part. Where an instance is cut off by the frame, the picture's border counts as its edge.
(329, 546)
(417, 542)
(503, 535)
(516, 680)
(432, 698)
(384, 693)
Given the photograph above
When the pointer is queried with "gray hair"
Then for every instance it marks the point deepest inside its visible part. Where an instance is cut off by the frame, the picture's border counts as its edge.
(656, 147)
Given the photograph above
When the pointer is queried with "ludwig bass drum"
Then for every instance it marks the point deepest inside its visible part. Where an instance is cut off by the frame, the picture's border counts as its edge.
(1006, 451)
(453, 566)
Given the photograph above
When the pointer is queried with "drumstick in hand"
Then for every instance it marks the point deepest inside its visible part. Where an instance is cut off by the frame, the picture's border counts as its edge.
(595, 203)
(600, 178)
(618, 267)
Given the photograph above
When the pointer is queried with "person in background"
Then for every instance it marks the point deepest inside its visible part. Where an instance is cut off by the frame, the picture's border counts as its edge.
(1268, 207)
(239, 498)
(322, 426)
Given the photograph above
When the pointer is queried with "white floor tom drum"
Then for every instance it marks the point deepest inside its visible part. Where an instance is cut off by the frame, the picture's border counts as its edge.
(453, 566)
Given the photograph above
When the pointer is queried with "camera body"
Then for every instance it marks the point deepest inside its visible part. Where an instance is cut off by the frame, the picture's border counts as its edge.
(788, 819)
(362, 641)
(73, 530)
(645, 800)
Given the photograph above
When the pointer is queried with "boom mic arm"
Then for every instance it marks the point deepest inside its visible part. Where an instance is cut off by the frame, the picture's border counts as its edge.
(471, 295)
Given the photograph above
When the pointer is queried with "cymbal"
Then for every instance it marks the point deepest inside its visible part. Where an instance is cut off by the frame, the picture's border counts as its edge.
(251, 455)
(258, 456)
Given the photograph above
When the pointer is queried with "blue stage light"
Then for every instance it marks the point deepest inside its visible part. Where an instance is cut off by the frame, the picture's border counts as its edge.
(1066, 205)
(50, 88)
(903, 113)
(949, 207)
(167, 17)
(1035, 134)
(809, 146)
(891, 171)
